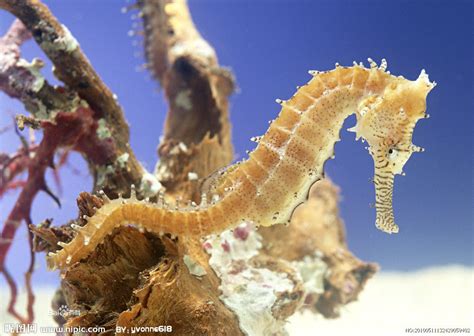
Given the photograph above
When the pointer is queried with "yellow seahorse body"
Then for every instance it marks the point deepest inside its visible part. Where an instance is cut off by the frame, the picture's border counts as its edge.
(288, 159)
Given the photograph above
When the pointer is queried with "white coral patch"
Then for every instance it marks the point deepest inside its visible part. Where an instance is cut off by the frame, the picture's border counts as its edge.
(197, 47)
(149, 185)
(248, 291)
(34, 69)
(122, 160)
(66, 43)
(103, 131)
(312, 270)
(183, 100)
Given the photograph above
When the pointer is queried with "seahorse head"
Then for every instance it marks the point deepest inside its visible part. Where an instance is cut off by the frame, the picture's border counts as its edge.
(386, 121)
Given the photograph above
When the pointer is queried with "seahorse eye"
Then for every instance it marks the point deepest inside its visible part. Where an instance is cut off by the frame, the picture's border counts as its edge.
(392, 153)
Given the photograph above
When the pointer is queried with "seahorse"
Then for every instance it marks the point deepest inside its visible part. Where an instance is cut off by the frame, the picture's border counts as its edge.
(288, 159)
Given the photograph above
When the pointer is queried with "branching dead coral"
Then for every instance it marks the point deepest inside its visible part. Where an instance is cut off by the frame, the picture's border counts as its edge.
(197, 136)
(73, 68)
(67, 121)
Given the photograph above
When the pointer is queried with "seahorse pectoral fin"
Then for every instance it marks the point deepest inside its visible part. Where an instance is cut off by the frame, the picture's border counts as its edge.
(383, 182)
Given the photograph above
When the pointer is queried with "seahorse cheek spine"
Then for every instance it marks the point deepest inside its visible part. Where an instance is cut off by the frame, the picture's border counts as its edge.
(288, 159)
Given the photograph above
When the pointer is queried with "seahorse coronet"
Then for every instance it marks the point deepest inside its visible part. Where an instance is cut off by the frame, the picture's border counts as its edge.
(288, 159)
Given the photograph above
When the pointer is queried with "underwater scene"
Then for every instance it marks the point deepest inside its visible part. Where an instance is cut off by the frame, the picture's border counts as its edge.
(236, 167)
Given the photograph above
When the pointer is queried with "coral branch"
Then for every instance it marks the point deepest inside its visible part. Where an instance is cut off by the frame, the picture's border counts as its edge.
(12, 166)
(196, 88)
(73, 68)
(22, 80)
(69, 129)
(13, 296)
(71, 65)
(28, 276)
(76, 130)
(10, 45)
